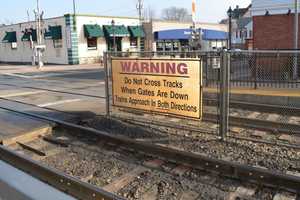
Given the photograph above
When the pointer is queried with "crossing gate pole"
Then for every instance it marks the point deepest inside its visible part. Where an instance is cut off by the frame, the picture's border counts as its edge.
(224, 94)
(106, 83)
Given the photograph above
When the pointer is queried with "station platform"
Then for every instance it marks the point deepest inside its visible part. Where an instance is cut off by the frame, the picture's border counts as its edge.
(274, 96)
(17, 185)
(19, 128)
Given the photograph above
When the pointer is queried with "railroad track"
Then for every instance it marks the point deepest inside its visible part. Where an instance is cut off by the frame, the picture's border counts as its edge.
(277, 109)
(243, 122)
(234, 171)
(283, 110)
(265, 125)
(55, 91)
(249, 121)
(235, 121)
(258, 124)
(208, 131)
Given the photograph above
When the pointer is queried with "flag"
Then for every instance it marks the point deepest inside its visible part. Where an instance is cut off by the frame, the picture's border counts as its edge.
(194, 10)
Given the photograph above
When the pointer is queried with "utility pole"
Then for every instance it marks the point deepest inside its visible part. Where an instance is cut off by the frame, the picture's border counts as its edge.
(140, 8)
(296, 46)
(74, 7)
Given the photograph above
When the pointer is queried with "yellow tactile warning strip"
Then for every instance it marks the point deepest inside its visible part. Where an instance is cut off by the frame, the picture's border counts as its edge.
(262, 91)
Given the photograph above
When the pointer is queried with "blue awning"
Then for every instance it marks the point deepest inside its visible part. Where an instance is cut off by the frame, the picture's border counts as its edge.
(174, 34)
(214, 35)
(185, 34)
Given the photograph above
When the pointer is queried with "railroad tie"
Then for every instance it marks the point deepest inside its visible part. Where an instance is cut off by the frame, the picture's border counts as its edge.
(124, 180)
(241, 193)
(285, 196)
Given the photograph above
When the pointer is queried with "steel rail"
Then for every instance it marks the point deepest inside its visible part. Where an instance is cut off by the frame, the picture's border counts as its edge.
(55, 91)
(258, 124)
(36, 106)
(201, 130)
(207, 101)
(279, 109)
(224, 168)
(55, 178)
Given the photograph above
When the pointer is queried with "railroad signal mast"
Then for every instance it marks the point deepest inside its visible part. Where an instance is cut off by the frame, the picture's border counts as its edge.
(30, 33)
(39, 47)
(140, 8)
(195, 40)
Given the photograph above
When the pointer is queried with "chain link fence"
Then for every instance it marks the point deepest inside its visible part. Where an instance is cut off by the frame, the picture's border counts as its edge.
(258, 69)
(264, 96)
(251, 108)
(225, 111)
(150, 119)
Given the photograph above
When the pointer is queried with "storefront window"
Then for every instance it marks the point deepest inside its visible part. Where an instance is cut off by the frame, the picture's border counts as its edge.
(159, 46)
(168, 46)
(133, 42)
(92, 43)
(176, 45)
(184, 45)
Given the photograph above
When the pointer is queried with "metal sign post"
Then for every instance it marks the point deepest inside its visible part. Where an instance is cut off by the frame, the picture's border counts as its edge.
(296, 32)
(106, 83)
(224, 94)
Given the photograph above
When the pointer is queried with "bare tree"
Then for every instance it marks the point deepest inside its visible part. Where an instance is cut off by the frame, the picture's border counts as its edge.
(176, 14)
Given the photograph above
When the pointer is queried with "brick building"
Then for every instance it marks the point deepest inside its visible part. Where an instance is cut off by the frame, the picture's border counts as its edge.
(273, 24)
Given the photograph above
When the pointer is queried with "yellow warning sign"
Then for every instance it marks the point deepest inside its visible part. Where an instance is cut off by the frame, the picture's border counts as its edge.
(166, 86)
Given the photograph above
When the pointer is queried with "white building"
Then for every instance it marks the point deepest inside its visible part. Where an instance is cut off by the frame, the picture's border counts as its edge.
(242, 28)
(70, 40)
(83, 39)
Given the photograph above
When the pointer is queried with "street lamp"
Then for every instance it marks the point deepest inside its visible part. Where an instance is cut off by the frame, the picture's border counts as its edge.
(229, 13)
(74, 13)
(114, 34)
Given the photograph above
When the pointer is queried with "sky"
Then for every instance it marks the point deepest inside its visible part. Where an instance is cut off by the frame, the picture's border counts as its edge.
(14, 11)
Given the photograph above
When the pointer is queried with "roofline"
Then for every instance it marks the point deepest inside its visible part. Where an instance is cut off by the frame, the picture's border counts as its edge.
(101, 16)
(28, 22)
(79, 15)
(178, 29)
(187, 22)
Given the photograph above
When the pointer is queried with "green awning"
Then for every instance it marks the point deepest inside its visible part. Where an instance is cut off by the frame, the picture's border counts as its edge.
(136, 31)
(53, 33)
(10, 37)
(26, 36)
(116, 31)
(93, 31)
